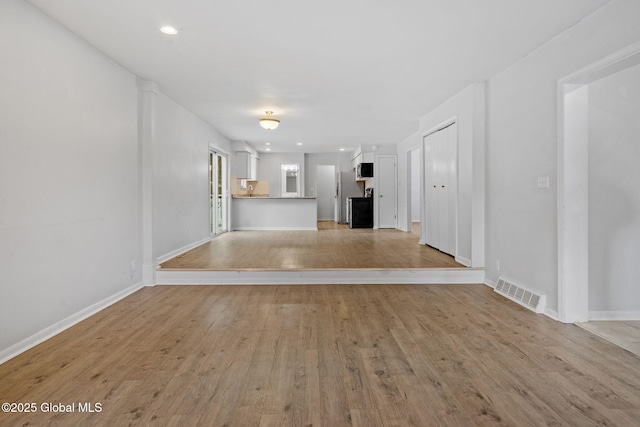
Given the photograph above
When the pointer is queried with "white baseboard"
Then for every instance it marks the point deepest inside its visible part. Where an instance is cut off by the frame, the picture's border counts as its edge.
(463, 261)
(614, 315)
(56, 328)
(180, 251)
(490, 283)
(148, 275)
(550, 313)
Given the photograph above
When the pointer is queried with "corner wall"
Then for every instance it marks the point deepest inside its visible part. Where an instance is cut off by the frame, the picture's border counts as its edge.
(72, 123)
(181, 177)
(522, 146)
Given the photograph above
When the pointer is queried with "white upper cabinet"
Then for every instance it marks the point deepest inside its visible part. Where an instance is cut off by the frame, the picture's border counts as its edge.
(246, 165)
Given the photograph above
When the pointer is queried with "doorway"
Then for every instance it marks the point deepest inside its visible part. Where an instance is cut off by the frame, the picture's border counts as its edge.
(218, 193)
(577, 237)
(326, 192)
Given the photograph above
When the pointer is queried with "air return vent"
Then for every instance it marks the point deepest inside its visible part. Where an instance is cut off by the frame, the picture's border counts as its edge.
(523, 296)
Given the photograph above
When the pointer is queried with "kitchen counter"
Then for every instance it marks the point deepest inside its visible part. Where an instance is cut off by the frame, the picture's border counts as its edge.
(274, 213)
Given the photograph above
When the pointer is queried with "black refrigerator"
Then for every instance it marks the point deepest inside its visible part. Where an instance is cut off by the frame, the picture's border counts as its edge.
(360, 211)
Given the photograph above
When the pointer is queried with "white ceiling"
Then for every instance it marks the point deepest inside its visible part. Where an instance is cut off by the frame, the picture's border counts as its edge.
(336, 73)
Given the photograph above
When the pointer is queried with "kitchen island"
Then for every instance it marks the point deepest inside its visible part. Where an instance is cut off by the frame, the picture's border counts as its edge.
(274, 213)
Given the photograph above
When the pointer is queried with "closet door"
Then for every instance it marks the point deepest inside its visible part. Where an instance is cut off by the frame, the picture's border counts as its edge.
(430, 232)
(440, 162)
(447, 190)
(452, 188)
(442, 189)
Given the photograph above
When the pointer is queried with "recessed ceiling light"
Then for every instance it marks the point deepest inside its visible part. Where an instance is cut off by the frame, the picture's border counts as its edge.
(342, 149)
(168, 29)
(268, 149)
(298, 143)
(267, 143)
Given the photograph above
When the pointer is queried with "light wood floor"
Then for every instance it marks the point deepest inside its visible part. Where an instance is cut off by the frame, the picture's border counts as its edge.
(626, 334)
(333, 246)
(325, 355)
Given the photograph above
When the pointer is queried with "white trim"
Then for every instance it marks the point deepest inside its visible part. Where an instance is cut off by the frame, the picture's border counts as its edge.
(464, 261)
(443, 125)
(149, 275)
(310, 277)
(277, 228)
(56, 328)
(550, 313)
(218, 149)
(614, 315)
(226, 190)
(182, 250)
(376, 185)
(490, 283)
(572, 196)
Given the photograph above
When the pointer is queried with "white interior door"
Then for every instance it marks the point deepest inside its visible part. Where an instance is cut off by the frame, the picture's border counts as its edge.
(337, 198)
(441, 178)
(386, 191)
(431, 223)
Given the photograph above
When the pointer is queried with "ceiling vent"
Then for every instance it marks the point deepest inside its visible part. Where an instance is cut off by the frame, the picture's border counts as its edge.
(523, 296)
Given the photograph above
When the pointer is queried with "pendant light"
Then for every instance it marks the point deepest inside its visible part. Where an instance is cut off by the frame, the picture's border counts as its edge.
(269, 122)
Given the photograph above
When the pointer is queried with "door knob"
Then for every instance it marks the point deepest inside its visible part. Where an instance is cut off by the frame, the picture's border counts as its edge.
(381, 195)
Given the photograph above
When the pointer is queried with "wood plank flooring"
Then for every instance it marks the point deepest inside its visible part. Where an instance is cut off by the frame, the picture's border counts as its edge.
(333, 246)
(626, 334)
(324, 355)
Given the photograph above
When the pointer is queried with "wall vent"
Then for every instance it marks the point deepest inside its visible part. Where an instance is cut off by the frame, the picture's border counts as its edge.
(523, 296)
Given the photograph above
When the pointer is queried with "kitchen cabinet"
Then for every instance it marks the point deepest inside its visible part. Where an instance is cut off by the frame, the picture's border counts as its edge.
(246, 165)
(362, 158)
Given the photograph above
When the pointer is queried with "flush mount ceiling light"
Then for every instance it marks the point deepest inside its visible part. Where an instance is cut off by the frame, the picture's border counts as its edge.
(269, 122)
(168, 29)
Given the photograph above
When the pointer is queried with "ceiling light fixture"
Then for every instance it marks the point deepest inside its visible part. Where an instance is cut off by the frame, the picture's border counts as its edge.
(298, 143)
(269, 122)
(168, 29)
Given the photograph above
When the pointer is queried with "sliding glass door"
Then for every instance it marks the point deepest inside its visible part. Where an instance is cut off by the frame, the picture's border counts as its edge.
(218, 192)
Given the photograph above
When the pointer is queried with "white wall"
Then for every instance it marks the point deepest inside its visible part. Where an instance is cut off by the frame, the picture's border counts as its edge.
(269, 170)
(326, 191)
(522, 146)
(69, 187)
(467, 108)
(181, 176)
(342, 162)
(404, 147)
(614, 194)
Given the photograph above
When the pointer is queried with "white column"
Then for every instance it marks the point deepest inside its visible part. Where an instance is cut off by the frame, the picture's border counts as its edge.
(147, 135)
